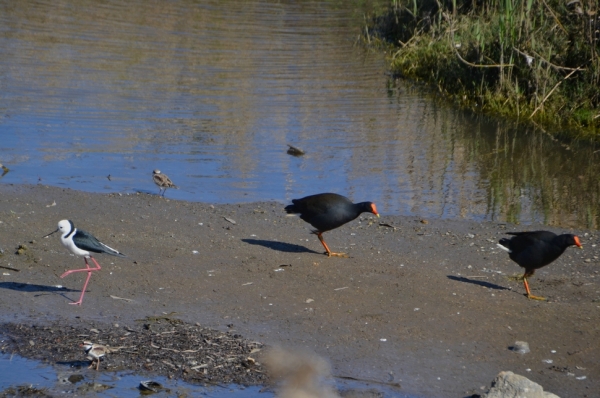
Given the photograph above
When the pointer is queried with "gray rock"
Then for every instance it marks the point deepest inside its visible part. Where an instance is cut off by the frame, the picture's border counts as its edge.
(510, 385)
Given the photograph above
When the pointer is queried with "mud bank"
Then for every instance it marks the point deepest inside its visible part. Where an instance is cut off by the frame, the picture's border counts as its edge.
(426, 304)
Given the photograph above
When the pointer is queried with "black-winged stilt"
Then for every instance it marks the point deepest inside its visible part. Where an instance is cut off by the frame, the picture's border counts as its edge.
(162, 181)
(82, 243)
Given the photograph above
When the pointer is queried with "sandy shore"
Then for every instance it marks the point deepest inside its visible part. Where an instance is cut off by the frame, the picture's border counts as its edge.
(426, 304)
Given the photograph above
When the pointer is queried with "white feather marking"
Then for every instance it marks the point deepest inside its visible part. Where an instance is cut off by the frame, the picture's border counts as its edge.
(503, 247)
(110, 248)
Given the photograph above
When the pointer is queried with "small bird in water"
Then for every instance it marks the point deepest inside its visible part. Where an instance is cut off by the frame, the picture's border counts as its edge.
(294, 151)
(95, 352)
(162, 181)
(4, 169)
(82, 243)
(536, 249)
(327, 211)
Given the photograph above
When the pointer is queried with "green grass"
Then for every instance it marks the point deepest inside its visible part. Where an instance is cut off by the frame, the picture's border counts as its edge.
(535, 61)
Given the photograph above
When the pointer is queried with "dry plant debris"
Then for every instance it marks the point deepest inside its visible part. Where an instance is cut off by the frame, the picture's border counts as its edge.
(154, 345)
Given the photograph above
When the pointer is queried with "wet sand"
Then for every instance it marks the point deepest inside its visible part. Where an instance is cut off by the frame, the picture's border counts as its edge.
(426, 304)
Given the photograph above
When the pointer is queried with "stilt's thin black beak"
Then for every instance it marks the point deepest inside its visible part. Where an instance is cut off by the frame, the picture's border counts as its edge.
(50, 233)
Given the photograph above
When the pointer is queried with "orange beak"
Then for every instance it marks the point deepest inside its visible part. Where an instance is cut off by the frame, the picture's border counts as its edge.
(374, 209)
(578, 243)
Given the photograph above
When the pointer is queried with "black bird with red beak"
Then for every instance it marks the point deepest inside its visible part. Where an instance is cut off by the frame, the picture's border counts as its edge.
(327, 211)
(536, 249)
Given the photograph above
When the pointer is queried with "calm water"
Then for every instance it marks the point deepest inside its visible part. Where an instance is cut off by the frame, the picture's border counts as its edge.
(74, 379)
(211, 92)
(66, 380)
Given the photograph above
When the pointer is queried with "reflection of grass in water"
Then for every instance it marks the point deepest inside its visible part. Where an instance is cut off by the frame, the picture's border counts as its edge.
(534, 178)
(501, 58)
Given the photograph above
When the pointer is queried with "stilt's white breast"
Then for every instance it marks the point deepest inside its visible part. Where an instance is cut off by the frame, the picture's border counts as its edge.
(68, 230)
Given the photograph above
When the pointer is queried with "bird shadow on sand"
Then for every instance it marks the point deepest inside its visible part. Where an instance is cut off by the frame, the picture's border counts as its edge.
(477, 282)
(156, 193)
(279, 246)
(146, 191)
(42, 289)
(28, 287)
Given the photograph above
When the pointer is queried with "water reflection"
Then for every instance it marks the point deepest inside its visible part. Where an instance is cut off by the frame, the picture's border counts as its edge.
(527, 176)
(25, 377)
(210, 93)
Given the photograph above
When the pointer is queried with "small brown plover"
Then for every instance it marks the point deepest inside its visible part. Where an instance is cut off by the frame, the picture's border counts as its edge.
(95, 352)
(162, 181)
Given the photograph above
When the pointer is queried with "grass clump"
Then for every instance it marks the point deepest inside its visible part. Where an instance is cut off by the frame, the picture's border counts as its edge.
(536, 60)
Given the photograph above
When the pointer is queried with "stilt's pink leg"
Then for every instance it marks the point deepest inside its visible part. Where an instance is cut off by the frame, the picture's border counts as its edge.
(78, 302)
(89, 271)
(97, 265)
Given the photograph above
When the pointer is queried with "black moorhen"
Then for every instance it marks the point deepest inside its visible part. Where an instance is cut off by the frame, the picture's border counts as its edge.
(536, 249)
(327, 211)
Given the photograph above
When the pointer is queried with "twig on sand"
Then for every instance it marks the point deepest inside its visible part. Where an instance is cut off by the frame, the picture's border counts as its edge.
(120, 298)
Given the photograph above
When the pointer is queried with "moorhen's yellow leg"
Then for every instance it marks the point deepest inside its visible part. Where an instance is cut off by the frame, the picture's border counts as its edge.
(529, 295)
(329, 252)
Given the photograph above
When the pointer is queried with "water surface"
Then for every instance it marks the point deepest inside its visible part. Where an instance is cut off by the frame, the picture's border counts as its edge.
(74, 379)
(66, 380)
(211, 93)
